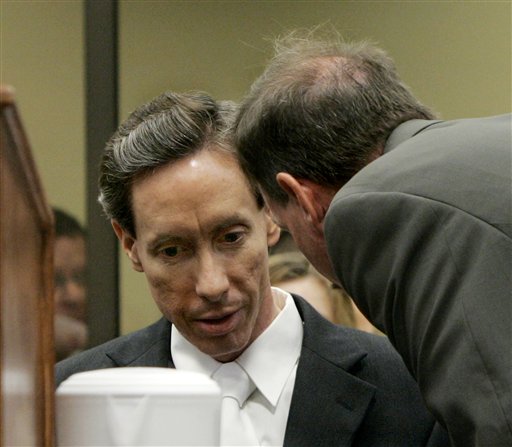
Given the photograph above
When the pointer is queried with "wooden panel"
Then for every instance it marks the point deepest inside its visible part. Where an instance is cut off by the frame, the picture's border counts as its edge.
(26, 300)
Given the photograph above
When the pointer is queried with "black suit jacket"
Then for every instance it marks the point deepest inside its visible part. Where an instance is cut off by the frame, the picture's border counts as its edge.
(421, 238)
(351, 388)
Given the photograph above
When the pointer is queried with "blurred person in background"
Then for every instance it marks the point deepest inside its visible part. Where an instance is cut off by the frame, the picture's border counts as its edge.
(69, 285)
(291, 271)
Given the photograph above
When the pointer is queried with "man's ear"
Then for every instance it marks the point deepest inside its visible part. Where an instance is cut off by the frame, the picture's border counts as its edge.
(309, 196)
(273, 231)
(128, 243)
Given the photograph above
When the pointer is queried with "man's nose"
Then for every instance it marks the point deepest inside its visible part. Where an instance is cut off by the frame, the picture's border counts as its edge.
(212, 281)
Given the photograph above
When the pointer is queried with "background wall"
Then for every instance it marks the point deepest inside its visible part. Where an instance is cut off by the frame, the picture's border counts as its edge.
(41, 56)
(456, 56)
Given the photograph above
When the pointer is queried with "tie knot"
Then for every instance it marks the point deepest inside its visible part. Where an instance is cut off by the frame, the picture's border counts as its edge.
(234, 382)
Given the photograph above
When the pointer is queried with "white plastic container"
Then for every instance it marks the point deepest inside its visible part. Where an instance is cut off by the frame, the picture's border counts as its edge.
(139, 406)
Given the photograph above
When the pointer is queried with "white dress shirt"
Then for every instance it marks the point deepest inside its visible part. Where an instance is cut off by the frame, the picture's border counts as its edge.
(271, 363)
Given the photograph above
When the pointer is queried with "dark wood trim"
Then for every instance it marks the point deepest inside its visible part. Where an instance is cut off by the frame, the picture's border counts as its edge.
(26, 292)
(101, 42)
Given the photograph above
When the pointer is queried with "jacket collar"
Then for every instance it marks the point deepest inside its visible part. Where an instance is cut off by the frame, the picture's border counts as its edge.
(405, 131)
(328, 396)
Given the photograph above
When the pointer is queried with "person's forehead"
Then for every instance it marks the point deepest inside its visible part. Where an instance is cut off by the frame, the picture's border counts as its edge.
(207, 189)
(69, 243)
(69, 252)
(204, 164)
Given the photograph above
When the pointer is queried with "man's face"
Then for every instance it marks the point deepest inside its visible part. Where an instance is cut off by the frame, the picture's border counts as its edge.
(307, 237)
(69, 272)
(202, 242)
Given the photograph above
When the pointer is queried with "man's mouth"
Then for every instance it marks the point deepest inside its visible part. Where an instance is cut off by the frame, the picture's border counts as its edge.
(217, 325)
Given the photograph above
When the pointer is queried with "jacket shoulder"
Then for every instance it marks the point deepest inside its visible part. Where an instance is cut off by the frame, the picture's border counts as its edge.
(127, 350)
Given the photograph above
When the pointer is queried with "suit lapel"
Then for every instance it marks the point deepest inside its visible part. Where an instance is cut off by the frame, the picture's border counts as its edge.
(328, 398)
(151, 349)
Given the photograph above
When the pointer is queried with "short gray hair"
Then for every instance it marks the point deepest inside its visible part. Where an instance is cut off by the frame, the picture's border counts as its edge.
(170, 127)
(320, 111)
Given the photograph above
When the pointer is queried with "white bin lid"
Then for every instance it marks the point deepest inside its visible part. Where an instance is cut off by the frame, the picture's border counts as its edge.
(137, 380)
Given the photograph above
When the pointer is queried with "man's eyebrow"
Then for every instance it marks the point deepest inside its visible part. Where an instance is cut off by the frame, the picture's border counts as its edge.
(231, 221)
(164, 240)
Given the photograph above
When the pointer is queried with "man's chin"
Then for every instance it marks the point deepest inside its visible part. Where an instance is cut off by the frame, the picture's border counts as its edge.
(226, 353)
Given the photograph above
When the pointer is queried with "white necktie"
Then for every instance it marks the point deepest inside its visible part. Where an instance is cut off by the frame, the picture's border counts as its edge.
(236, 386)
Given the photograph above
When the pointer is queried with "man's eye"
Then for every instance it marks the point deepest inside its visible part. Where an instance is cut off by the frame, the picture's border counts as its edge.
(171, 252)
(233, 237)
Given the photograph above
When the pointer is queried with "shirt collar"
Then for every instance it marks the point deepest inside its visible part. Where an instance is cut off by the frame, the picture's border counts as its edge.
(263, 353)
(186, 356)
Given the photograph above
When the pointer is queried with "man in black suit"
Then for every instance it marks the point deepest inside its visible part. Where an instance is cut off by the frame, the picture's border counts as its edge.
(188, 218)
(411, 215)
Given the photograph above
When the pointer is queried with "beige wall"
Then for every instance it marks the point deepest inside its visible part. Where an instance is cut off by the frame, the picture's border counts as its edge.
(455, 55)
(42, 57)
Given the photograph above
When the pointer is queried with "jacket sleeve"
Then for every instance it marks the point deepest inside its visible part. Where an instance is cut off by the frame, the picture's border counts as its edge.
(437, 281)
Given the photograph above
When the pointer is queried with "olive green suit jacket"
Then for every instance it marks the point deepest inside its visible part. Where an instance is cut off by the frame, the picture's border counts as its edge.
(422, 240)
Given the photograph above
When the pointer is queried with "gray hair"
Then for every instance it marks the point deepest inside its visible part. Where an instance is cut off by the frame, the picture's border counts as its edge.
(170, 127)
(321, 111)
